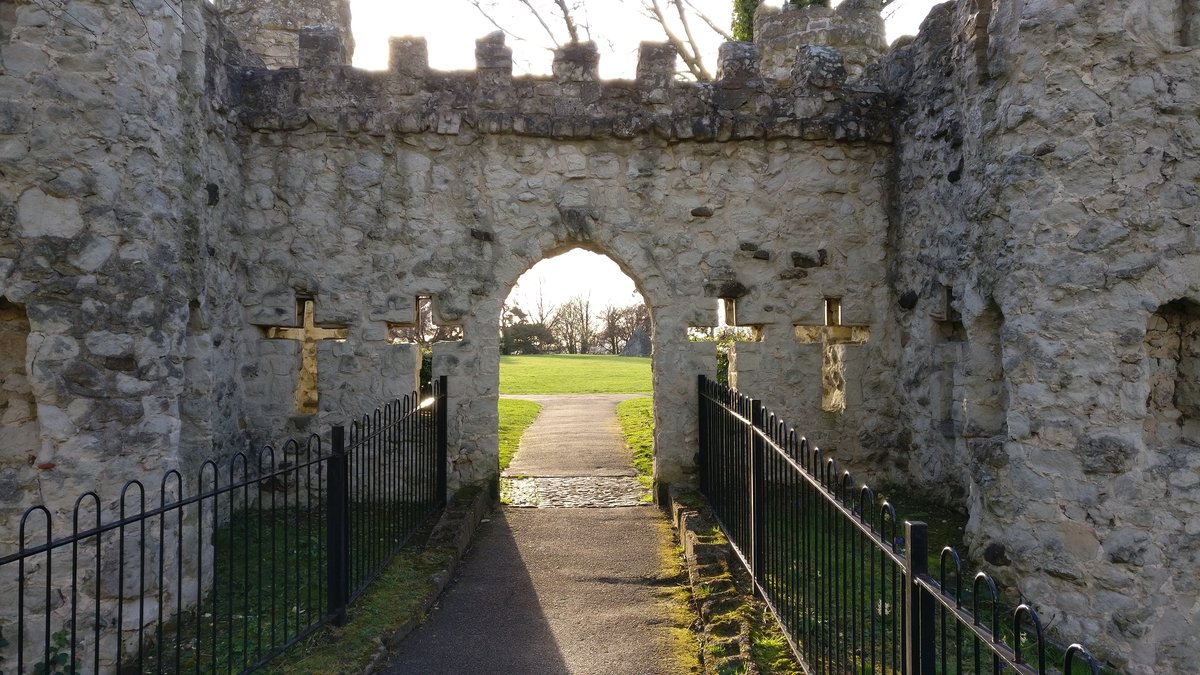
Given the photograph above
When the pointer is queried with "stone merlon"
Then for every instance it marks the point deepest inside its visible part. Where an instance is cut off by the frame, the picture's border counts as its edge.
(811, 98)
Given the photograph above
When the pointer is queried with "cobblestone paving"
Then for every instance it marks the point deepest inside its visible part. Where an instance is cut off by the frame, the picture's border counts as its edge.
(573, 491)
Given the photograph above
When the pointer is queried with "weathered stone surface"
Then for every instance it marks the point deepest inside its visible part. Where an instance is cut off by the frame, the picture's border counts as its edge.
(1029, 164)
(1002, 211)
(42, 215)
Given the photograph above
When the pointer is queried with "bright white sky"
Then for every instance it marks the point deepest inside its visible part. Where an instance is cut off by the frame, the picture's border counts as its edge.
(573, 273)
(451, 28)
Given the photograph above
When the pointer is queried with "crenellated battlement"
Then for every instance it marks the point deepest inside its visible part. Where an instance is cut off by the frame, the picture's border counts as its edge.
(795, 82)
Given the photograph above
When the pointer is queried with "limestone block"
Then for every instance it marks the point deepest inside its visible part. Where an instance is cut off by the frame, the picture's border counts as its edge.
(656, 71)
(737, 64)
(43, 215)
(745, 359)
(819, 68)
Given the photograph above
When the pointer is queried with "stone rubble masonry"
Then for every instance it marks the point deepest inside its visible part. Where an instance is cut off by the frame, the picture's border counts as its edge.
(279, 30)
(1006, 204)
(1046, 174)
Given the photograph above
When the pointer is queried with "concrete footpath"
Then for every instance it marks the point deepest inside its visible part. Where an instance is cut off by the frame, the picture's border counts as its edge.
(559, 590)
(573, 455)
(574, 435)
(552, 591)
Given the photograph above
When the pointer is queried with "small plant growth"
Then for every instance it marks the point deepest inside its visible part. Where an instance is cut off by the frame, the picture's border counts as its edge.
(59, 662)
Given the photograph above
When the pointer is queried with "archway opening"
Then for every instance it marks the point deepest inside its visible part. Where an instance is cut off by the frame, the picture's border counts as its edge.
(576, 393)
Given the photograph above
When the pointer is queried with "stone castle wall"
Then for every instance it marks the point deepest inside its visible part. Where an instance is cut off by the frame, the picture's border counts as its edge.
(112, 243)
(1046, 186)
(998, 215)
(113, 268)
(369, 189)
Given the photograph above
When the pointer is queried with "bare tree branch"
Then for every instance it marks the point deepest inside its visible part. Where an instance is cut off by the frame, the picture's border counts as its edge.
(704, 17)
(538, 15)
(63, 12)
(685, 45)
(567, 19)
(687, 30)
(493, 21)
(691, 58)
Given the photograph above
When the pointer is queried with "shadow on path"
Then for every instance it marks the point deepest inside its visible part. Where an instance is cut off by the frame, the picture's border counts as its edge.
(549, 591)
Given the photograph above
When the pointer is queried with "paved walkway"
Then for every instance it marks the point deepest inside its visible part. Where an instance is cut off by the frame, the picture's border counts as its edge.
(573, 455)
(549, 591)
(574, 435)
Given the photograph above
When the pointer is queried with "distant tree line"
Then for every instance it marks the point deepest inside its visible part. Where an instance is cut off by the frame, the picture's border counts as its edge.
(574, 327)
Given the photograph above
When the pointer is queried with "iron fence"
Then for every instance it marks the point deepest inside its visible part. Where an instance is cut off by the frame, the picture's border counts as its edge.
(848, 583)
(266, 550)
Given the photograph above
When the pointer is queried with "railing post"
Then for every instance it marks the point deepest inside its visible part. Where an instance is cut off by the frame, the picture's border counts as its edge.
(442, 442)
(337, 528)
(702, 450)
(918, 621)
(758, 454)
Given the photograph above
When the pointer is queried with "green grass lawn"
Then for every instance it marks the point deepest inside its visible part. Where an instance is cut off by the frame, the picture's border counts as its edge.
(574, 374)
(515, 416)
(636, 416)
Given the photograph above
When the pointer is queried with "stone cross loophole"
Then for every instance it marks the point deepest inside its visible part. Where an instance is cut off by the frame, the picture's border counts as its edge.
(422, 330)
(726, 329)
(308, 333)
(726, 333)
(833, 337)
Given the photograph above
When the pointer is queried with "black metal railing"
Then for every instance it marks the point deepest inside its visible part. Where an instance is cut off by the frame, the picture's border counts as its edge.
(849, 584)
(266, 550)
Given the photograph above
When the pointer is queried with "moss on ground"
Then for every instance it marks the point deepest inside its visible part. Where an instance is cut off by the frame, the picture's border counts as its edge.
(675, 594)
(397, 596)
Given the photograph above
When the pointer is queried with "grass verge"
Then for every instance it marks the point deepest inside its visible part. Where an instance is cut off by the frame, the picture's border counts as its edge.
(268, 571)
(574, 374)
(396, 596)
(515, 417)
(636, 416)
(769, 649)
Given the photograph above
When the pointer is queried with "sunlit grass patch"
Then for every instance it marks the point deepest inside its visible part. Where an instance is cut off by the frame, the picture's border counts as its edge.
(515, 417)
(574, 374)
(636, 416)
